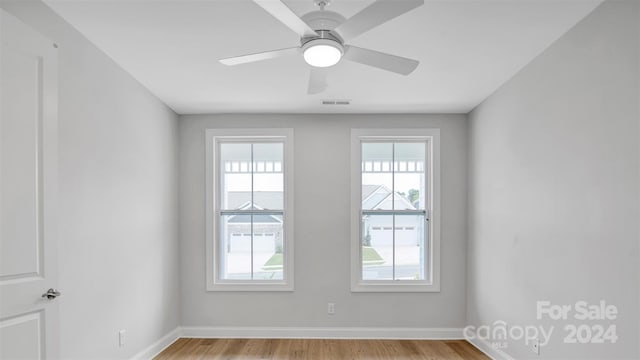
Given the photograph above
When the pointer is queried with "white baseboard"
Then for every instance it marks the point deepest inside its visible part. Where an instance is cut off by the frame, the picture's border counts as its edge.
(489, 350)
(156, 348)
(322, 333)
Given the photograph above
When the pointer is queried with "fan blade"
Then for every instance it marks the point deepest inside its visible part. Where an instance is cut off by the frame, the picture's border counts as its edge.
(317, 81)
(237, 60)
(374, 15)
(281, 11)
(393, 63)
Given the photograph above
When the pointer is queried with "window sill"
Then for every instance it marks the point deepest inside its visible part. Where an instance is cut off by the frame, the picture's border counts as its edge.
(394, 288)
(264, 287)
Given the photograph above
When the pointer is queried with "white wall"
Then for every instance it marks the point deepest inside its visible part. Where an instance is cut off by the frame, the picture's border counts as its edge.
(322, 145)
(118, 200)
(554, 189)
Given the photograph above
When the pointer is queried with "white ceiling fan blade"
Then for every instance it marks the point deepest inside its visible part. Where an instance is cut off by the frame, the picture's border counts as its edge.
(393, 63)
(374, 15)
(281, 11)
(317, 81)
(237, 60)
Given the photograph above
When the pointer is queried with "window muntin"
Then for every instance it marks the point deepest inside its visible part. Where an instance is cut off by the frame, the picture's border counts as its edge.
(249, 215)
(395, 220)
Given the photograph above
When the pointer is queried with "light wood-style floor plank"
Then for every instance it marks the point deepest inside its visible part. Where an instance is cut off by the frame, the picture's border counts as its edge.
(316, 349)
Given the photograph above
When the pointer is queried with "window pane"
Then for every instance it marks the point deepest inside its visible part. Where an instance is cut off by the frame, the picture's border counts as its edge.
(268, 179)
(377, 247)
(409, 175)
(235, 247)
(235, 180)
(268, 247)
(409, 247)
(377, 179)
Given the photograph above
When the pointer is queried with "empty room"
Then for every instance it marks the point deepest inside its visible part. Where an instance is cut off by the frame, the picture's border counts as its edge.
(319, 179)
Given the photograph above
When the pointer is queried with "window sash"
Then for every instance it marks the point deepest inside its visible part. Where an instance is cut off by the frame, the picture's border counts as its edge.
(221, 244)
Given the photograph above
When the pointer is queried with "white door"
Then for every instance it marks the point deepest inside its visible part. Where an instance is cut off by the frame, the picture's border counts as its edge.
(28, 157)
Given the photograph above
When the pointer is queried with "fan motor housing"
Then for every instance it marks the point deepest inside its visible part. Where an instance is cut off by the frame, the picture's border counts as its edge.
(322, 35)
(323, 19)
(320, 41)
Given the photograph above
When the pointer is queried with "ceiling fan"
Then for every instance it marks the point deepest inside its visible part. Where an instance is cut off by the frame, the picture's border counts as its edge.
(323, 34)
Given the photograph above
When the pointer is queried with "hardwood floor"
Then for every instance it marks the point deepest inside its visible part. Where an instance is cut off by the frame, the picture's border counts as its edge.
(287, 349)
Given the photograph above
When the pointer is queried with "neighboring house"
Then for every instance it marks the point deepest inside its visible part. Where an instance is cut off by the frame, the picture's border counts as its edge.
(408, 228)
(267, 229)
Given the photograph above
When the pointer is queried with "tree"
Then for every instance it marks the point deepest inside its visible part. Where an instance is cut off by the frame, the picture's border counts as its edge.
(414, 195)
(367, 238)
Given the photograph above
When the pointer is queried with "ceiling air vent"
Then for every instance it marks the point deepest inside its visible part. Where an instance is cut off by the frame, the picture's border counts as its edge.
(336, 102)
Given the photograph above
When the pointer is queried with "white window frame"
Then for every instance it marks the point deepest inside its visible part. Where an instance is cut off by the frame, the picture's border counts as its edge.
(213, 138)
(432, 178)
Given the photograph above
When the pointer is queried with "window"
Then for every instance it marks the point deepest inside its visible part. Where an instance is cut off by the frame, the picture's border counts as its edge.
(249, 210)
(395, 210)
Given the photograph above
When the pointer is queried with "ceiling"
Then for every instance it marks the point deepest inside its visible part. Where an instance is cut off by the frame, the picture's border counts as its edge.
(466, 49)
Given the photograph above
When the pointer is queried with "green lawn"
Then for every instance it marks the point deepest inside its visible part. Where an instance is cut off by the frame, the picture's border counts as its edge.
(274, 263)
(371, 257)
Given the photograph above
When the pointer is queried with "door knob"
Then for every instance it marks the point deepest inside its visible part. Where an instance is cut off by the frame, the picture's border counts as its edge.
(51, 294)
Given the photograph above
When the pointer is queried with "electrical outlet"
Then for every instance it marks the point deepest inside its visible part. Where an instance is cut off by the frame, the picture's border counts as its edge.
(331, 308)
(121, 337)
(536, 346)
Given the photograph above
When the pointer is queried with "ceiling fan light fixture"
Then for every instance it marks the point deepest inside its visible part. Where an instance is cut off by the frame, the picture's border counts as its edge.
(322, 52)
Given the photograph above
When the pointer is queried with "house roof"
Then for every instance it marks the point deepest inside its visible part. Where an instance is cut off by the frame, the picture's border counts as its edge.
(367, 190)
(400, 203)
(373, 197)
(268, 200)
(378, 197)
(257, 218)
